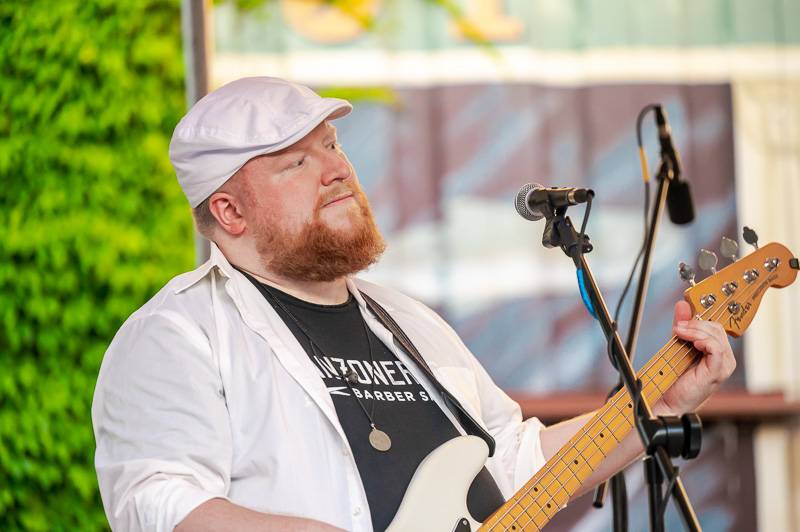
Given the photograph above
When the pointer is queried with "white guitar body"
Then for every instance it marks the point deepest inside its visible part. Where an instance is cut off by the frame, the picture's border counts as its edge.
(436, 498)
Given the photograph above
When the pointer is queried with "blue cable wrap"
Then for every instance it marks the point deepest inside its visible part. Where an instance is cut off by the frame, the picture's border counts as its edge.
(587, 302)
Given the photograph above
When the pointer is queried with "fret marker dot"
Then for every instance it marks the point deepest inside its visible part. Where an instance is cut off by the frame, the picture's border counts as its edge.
(576, 462)
(601, 434)
(660, 372)
(629, 405)
(535, 489)
(548, 505)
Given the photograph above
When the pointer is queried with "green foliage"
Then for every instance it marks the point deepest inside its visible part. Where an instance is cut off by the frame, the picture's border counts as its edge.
(93, 224)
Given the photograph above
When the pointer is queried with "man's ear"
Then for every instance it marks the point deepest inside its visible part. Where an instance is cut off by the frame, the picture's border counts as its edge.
(227, 209)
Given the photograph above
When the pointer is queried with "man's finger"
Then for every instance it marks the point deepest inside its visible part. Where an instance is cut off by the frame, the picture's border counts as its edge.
(712, 328)
(683, 312)
(690, 331)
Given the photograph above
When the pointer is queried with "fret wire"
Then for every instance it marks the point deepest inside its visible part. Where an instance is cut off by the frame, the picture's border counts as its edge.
(623, 422)
(658, 378)
(533, 500)
(560, 486)
(608, 427)
(567, 466)
(679, 355)
(579, 454)
(666, 358)
(668, 373)
(598, 450)
(505, 525)
(530, 519)
(586, 461)
(533, 517)
(515, 520)
(546, 513)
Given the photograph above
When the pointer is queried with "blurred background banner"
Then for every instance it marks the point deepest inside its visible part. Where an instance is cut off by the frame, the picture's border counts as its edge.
(457, 104)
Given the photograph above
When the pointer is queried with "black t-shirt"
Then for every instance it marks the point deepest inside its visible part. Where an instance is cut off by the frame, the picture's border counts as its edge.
(398, 404)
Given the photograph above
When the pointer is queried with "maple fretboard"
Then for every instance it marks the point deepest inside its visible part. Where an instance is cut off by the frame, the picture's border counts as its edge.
(552, 486)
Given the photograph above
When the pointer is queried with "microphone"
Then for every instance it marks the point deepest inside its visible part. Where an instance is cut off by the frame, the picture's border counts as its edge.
(533, 200)
(679, 197)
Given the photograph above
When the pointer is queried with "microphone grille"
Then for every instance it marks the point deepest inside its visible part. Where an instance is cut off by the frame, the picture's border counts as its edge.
(521, 202)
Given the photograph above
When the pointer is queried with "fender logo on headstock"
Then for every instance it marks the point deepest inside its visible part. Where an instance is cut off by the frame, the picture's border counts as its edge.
(736, 319)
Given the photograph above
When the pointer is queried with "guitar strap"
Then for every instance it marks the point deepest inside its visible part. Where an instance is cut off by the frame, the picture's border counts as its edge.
(469, 424)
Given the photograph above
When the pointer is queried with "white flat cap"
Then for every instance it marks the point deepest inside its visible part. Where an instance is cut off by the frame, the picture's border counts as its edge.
(238, 121)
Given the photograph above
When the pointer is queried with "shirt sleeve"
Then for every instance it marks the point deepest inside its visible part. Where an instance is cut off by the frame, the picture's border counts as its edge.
(161, 425)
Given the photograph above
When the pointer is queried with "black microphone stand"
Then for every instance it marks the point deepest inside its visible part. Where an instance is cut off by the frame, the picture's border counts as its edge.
(669, 171)
(619, 496)
(662, 437)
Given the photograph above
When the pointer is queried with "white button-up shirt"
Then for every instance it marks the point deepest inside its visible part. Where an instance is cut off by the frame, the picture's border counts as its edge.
(204, 392)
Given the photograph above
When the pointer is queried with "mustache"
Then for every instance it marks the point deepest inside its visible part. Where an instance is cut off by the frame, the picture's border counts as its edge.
(338, 193)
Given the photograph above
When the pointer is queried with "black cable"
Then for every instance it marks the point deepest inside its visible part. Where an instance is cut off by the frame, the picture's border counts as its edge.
(640, 145)
(641, 251)
(586, 217)
(666, 496)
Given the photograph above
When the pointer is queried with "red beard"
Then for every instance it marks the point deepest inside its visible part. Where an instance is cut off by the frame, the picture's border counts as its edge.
(318, 252)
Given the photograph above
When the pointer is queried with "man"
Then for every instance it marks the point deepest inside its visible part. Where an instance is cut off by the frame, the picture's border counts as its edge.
(269, 389)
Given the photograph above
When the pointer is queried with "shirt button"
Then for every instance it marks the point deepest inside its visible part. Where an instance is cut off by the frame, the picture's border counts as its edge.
(357, 511)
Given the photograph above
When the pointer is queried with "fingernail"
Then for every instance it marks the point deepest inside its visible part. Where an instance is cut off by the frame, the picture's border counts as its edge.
(682, 324)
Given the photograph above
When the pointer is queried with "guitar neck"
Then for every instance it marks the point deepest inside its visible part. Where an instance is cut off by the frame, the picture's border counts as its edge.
(552, 486)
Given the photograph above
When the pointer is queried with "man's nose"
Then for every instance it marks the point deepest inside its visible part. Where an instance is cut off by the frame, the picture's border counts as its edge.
(337, 168)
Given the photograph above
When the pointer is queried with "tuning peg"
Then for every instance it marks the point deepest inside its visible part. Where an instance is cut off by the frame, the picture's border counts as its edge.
(686, 272)
(750, 237)
(728, 248)
(707, 261)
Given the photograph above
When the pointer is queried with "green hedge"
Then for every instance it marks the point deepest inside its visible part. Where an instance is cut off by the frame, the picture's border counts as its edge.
(93, 224)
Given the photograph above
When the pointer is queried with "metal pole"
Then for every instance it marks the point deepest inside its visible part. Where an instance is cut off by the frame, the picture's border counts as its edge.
(195, 56)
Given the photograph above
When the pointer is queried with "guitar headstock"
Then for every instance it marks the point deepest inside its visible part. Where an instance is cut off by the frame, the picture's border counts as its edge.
(732, 295)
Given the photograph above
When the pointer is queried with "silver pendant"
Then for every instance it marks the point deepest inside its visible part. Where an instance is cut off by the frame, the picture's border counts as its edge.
(379, 440)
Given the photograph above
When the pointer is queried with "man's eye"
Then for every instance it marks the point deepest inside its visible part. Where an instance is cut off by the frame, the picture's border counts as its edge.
(335, 145)
(299, 162)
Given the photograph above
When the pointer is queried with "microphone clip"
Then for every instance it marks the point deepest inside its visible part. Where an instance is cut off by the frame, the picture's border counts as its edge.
(559, 232)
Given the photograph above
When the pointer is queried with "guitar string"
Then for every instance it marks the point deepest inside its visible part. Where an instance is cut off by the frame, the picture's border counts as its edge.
(580, 452)
(615, 402)
(654, 380)
(548, 490)
(551, 469)
(622, 398)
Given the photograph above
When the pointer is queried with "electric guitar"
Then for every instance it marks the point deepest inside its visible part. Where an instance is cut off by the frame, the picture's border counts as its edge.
(436, 497)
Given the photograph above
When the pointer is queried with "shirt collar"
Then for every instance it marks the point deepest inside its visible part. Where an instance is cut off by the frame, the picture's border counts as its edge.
(216, 260)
